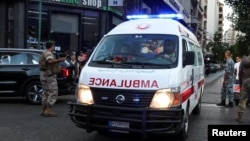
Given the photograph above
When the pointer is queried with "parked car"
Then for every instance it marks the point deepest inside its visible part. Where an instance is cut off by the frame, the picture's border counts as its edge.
(213, 67)
(236, 90)
(20, 75)
(217, 67)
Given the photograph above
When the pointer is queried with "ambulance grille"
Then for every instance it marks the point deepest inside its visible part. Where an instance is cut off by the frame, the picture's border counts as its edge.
(133, 98)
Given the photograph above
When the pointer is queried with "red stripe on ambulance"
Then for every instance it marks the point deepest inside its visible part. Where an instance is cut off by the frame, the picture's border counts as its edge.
(123, 83)
(187, 93)
(201, 83)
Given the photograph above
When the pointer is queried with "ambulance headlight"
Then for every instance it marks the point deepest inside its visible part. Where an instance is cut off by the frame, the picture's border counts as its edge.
(166, 98)
(84, 95)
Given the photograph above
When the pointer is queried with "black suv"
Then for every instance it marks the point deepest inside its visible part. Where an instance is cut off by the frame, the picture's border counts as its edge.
(20, 75)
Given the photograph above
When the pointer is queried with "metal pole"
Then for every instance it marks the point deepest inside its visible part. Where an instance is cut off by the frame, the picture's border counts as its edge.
(106, 17)
(39, 23)
(124, 10)
(140, 6)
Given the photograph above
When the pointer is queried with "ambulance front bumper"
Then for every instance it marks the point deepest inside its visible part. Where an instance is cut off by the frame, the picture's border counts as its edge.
(142, 121)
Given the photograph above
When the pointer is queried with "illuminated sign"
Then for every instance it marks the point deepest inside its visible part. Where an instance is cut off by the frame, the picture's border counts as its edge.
(85, 3)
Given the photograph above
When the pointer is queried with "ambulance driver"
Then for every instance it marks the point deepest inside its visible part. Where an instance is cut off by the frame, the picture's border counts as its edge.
(170, 50)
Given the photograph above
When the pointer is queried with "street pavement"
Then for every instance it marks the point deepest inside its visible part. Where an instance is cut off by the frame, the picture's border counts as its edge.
(213, 83)
(20, 121)
(212, 96)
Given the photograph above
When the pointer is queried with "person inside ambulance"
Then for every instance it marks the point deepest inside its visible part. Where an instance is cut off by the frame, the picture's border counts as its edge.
(123, 55)
(124, 49)
(152, 50)
(169, 50)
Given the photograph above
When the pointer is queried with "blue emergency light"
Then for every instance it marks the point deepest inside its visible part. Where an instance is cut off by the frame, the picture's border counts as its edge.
(163, 16)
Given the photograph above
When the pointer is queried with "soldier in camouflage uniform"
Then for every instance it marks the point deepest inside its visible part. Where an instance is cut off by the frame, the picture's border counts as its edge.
(227, 87)
(244, 79)
(49, 67)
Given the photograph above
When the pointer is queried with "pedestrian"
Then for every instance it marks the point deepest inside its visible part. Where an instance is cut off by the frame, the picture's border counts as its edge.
(227, 86)
(49, 67)
(236, 68)
(80, 62)
(73, 63)
(73, 58)
(244, 80)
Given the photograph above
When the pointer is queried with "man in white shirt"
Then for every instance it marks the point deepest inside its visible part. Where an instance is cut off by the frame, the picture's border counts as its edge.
(236, 68)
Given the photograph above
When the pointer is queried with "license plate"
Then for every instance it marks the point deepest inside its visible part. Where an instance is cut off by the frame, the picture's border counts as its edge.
(119, 124)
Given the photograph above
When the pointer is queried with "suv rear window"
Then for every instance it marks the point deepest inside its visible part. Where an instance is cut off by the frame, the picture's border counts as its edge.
(18, 58)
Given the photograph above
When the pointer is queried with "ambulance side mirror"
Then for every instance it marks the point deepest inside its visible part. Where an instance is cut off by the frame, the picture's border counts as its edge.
(188, 58)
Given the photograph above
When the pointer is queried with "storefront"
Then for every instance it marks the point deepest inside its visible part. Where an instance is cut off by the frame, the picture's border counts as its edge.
(73, 24)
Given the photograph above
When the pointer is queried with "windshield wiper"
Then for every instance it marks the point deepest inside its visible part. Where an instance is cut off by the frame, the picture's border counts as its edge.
(146, 63)
(103, 61)
(113, 63)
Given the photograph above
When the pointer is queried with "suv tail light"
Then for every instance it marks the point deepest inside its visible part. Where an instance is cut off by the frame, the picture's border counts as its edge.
(65, 72)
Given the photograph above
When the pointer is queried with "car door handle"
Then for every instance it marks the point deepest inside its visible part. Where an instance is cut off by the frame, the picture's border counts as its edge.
(26, 69)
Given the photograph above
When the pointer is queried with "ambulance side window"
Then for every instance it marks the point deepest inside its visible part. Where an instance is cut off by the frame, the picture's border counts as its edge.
(184, 50)
(200, 56)
(193, 48)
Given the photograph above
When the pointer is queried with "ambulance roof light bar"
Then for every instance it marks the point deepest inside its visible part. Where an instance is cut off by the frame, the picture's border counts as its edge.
(162, 16)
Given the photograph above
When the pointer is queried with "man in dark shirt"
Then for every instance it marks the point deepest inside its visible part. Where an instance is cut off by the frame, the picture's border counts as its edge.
(244, 79)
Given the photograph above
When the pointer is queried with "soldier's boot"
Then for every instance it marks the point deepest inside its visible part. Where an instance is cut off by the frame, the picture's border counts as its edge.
(230, 104)
(239, 118)
(49, 113)
(222, 103)
(44, 107)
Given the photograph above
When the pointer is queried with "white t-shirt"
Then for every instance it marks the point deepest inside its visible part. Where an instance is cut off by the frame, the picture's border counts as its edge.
(236, 67)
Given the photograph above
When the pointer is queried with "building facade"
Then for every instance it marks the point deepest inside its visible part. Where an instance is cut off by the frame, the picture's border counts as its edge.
(73, 24)
(213, 19)
(230, 36)
(78, 24)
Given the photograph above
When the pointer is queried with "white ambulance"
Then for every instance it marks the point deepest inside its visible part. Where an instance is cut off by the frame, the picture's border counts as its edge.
(146, 76)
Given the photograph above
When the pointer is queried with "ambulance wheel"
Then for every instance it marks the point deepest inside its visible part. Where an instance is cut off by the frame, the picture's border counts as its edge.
(184, 131)
(197, 109)
(102, 132)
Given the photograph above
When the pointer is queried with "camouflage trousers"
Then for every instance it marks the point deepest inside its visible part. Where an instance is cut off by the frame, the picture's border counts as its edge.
(227, 91)
(50, 88)
(244, 95)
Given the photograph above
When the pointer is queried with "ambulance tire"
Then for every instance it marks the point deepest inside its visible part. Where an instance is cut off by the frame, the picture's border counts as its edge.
(197, 109)
(182, 135)
(103, 132)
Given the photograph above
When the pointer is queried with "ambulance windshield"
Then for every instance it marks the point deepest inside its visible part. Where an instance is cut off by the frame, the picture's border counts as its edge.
(145, 50)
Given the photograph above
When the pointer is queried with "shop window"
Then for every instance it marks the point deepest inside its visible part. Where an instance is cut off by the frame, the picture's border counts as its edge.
(90, 26)
(32, 26)
(64, 23)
